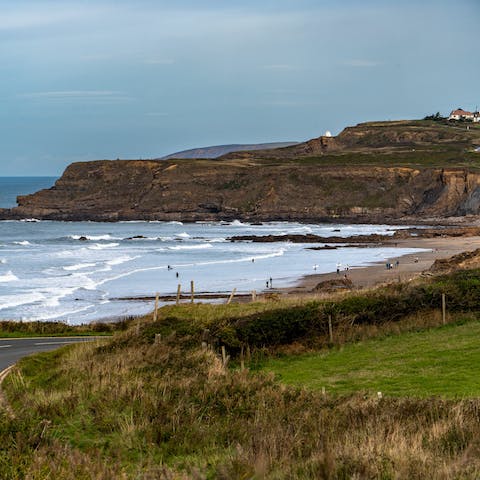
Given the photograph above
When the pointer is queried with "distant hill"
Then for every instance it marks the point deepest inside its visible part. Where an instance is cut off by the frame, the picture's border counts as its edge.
(219, 150)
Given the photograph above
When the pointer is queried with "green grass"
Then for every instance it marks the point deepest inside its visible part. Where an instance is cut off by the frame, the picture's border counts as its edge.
(20, 334)
(16, 329)
(435, 157)
(443, 361)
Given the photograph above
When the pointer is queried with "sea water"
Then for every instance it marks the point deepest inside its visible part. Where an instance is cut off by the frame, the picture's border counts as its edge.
(83, 271)
(11, 187)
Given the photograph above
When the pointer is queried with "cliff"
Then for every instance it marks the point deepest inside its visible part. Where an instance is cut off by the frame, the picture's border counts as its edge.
(367, 173)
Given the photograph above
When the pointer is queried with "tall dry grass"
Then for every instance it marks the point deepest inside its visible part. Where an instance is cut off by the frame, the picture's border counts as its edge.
(142, 410)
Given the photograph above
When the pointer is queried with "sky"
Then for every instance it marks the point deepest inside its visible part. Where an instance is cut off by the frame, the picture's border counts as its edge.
(104, 79)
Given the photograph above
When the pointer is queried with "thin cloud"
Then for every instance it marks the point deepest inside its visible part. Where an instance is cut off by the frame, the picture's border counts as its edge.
(358, 63)
(96, 56)
(79, 95)
(159, 61)
(280, 66)
(286, 103)
(23, 18)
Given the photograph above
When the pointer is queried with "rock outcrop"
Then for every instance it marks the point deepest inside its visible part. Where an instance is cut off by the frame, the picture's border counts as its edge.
(304, 182)
(191, 191)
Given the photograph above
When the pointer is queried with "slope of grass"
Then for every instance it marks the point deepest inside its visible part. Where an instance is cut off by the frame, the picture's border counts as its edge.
(15, 329)
(166, 411)
(153, 402)
(275, 324)
(442, 361)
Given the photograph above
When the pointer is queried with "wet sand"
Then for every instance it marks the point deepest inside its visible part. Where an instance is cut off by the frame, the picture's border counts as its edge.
(409, 268)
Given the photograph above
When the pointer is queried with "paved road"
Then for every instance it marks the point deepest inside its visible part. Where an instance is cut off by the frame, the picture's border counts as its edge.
(13, 349)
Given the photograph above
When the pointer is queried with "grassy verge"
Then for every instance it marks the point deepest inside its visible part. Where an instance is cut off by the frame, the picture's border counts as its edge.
(12, 329)
(355, 316)
(161, 410)
(442, 361)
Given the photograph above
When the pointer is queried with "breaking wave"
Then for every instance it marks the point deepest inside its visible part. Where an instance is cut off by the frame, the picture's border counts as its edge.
(8, 277)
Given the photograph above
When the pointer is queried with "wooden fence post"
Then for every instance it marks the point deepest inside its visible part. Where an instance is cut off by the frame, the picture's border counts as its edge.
(330, 330)
(155, 312)
(192, 291)
(254, 295)
(444, 309)
(225, 358)
(179, 290)
(242, 361)
(231, 296)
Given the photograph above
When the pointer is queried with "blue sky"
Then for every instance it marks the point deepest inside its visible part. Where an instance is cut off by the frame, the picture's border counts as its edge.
(83, 80)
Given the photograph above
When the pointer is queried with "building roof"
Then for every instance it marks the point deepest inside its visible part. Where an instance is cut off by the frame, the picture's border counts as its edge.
(461, 112)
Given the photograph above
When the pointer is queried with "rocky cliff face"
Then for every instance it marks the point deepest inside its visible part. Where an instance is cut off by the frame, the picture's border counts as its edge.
(374, 172)
(208, 190)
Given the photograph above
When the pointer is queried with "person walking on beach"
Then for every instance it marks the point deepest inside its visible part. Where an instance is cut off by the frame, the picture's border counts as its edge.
(271, 282)
(338, 268)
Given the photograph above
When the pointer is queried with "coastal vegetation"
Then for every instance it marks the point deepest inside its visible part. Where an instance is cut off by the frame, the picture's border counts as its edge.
(422, 363)
(160, 400)
(15, 329)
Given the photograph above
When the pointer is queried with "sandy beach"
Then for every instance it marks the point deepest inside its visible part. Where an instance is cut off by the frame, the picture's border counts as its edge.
(410, 266)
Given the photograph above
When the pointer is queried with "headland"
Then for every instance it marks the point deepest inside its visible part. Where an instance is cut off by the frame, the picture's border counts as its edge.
(413, 171)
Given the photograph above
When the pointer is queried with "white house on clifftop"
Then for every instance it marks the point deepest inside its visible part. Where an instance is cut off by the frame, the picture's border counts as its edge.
(460, 114)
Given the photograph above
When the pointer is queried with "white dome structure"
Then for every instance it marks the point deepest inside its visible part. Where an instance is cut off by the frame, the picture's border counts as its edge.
(328, 133)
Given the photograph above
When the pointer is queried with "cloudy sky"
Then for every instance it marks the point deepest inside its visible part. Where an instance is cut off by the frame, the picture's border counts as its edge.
(83, 80)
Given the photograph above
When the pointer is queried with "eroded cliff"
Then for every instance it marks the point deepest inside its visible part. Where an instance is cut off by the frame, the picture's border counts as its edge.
(206, 190)
(437, 178)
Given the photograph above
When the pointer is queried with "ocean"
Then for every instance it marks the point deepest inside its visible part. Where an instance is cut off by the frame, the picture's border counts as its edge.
(11, 187)
(80, 272)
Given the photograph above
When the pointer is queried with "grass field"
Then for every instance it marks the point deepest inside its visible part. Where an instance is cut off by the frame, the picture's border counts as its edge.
(443, 361)
(131, 408)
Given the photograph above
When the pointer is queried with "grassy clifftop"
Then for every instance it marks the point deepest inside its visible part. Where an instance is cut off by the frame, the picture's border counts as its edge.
(376, 141)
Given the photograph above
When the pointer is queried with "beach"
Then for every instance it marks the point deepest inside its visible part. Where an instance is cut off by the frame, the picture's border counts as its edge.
(79, 272)
(410, 266)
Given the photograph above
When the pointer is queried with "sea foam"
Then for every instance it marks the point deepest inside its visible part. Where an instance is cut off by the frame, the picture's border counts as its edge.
(190, 247)
(93, 237)
(103, 246)
(79, 266)
(8, 277)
